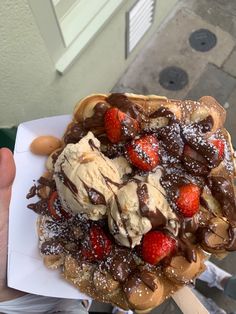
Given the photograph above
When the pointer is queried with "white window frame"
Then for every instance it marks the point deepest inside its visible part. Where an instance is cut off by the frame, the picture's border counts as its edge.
(65, 52)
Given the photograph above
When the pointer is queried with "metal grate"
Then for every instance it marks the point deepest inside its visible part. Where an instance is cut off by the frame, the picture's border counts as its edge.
(173, 78)
(202, 40)
(138, 21)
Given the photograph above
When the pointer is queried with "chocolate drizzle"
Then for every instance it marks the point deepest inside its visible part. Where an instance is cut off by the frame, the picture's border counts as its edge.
(223, 191)
(95, 197)
(127, 106)
(67, 182)
(32, 192)
(157, 219)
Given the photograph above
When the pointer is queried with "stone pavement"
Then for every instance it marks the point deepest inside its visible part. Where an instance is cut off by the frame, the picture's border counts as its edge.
(209, 73)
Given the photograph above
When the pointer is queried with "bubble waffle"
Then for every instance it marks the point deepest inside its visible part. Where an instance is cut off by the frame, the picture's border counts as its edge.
(127, 221)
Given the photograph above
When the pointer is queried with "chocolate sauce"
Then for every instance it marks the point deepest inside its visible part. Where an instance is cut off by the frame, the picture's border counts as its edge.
(41, 207)
(163, 112)
(204, 125)
(223, 191)
(186, 248)
(123, 220)
(32, 192)
(170, 136)
(95, 197)
(92, 145)
(149, 279)
(109, 181)
(46, 182)
(157, 219)
(67, 182)
(121, 264)
(198, 143)
(75, 133)
(96, 122)
(127, 106)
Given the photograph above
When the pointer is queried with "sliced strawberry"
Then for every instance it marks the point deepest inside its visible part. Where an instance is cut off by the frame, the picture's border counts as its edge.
(143, 152)
(156, 245)
(55, 207)
(220, 146)
(119, 126)
(188, 200)
(96, 245)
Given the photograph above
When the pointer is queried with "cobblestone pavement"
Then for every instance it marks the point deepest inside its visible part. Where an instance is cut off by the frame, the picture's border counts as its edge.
(209, 73)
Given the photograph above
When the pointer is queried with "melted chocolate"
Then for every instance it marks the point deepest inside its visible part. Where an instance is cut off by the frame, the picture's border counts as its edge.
(157, 219)
(123, 220)
(95, 197)
(204, 125)
(75, 133)
(32, 192)
(163, 112)
(67, 182)
(41, 207)
(96, 122)
(223, 191)
(121, 264)
(123, 103)
(171, 139)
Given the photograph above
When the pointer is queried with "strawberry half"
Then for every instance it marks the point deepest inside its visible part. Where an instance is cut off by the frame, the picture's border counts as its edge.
(96, 245)
(220, 146)
(119, 126)
(143, 152)
(156, 245)
(188, 200)
(55, 208)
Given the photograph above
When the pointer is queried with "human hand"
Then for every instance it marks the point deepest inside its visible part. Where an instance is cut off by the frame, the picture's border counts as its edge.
(7, 175)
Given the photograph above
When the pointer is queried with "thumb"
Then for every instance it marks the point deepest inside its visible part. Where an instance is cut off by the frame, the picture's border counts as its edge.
(7, 168)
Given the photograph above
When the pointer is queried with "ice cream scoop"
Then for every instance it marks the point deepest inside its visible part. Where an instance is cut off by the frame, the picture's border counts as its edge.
(85, 178)
(136, 208)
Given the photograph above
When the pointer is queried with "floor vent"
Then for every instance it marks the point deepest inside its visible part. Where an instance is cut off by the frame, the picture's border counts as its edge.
(138, 21)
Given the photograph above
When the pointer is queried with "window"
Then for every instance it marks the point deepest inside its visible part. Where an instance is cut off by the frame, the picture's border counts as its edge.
(68, 26)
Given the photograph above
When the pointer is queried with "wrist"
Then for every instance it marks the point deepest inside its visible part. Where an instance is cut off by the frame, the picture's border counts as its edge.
(7, 294)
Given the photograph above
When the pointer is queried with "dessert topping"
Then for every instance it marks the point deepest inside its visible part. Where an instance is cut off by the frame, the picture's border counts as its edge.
(156, 245)
(143, 152)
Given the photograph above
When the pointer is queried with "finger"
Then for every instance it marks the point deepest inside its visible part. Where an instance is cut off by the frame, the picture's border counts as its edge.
(7, 168)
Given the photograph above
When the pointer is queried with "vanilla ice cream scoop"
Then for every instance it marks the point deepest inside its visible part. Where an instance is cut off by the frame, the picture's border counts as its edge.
(136, 208)
(85, 178)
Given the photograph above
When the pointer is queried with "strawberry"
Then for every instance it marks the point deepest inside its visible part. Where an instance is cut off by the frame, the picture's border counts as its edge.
(220, 146)
(188, 200)
(55, 208)
(156, 245)
(96, 245)
(119, 126)
(143, 152)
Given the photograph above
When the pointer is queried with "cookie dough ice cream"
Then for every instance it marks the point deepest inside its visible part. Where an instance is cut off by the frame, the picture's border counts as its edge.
(136, 208)
(85, 178)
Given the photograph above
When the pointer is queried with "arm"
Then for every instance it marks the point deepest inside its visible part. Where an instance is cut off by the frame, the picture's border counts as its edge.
(7, 174)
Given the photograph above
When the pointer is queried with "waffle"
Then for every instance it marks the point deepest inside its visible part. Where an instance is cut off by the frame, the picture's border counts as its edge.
(143, 286)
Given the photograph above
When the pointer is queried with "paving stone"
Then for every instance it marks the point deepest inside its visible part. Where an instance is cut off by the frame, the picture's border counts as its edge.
(221, 13)
(231, 118)
(213, 82)
(170, 47)
(230, 64)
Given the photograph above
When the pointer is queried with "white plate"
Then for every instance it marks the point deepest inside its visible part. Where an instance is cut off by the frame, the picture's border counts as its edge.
(26, 270)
